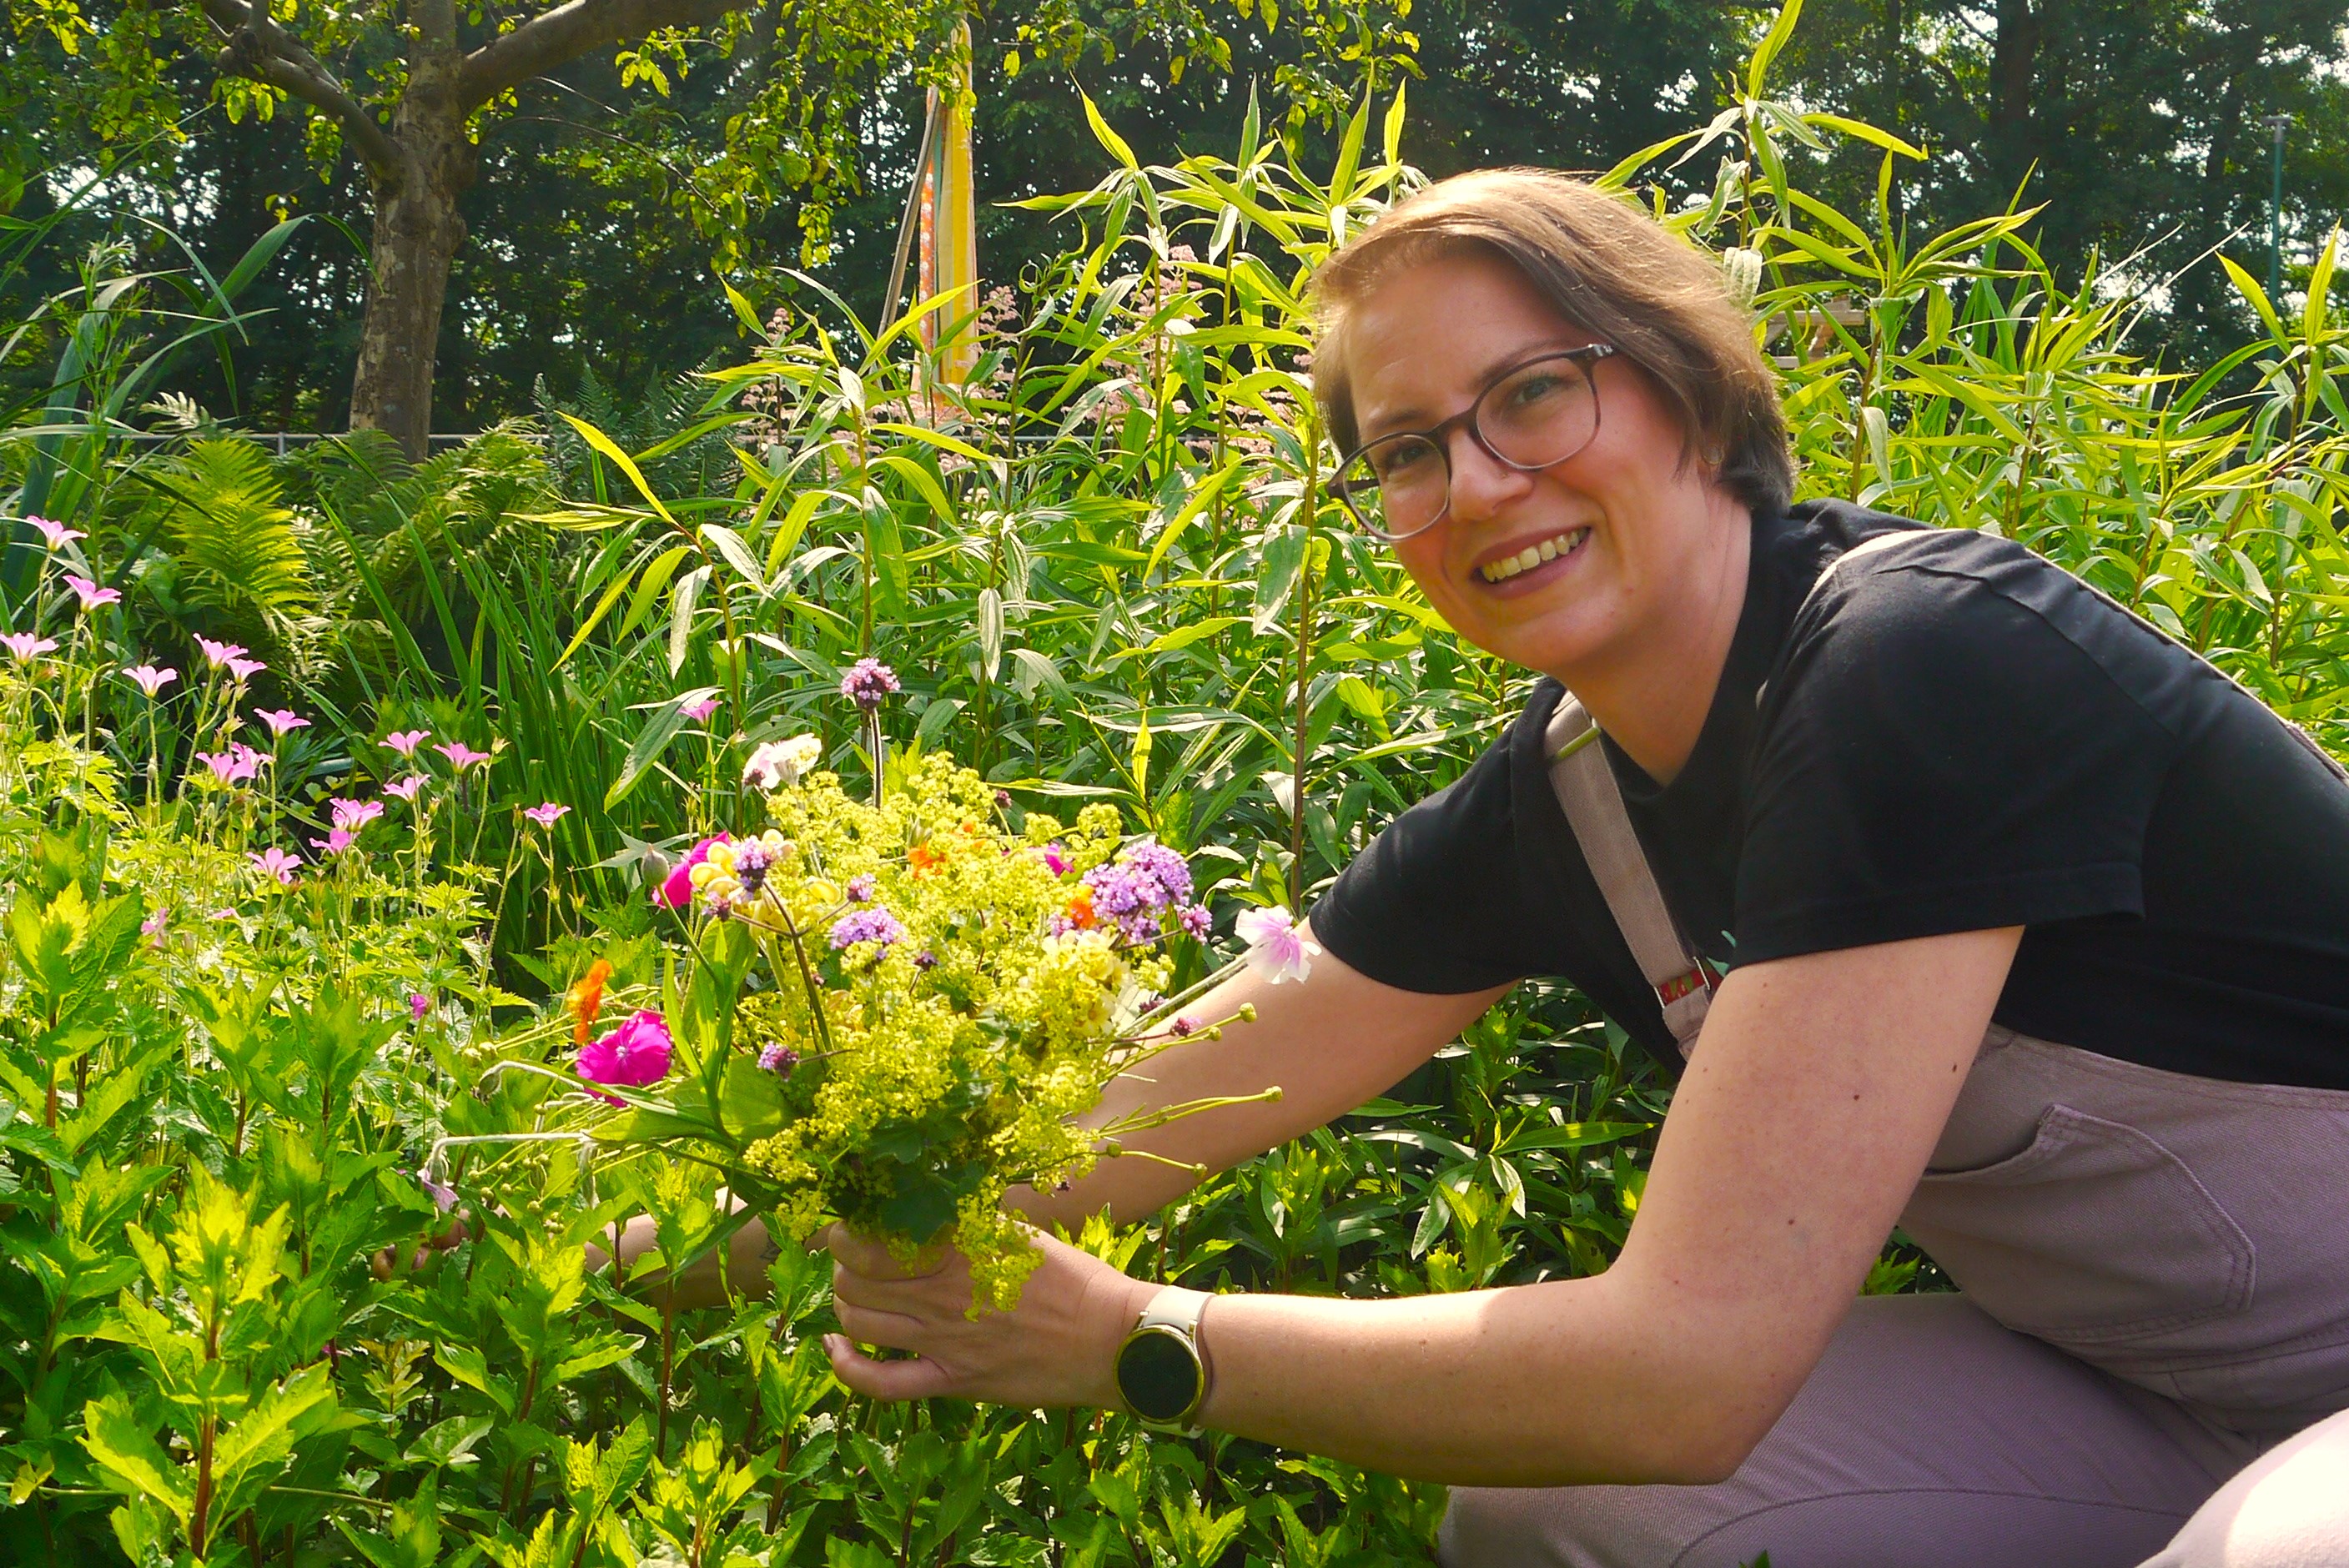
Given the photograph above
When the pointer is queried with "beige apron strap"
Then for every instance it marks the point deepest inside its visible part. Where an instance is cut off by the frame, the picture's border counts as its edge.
(1586, 790)
(1593, 803)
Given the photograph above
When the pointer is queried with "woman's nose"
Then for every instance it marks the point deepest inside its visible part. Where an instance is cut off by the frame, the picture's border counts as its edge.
(1480, 481)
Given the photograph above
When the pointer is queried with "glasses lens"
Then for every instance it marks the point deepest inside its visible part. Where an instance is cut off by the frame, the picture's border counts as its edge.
(1541, 413)
(1396, 485)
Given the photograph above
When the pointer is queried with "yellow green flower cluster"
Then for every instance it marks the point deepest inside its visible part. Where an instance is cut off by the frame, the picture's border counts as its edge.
(935, 1002)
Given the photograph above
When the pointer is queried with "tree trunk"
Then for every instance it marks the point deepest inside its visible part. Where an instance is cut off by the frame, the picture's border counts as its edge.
(2013, 70)
(416, 232)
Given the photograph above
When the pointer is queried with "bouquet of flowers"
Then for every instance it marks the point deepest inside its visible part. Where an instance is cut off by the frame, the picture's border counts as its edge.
(894, 1011)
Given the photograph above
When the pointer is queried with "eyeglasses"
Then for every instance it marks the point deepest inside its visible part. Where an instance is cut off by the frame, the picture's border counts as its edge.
(1535, 413)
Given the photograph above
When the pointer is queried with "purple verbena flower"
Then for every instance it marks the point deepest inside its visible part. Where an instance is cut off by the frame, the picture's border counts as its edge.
(868, 682)
(859, 888)
(780, 1059)
(1196, 919)
(875, 924)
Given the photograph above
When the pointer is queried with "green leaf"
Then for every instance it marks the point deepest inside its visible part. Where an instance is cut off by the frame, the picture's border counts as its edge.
(129, 1460)
(1109, 139)
(621, 460)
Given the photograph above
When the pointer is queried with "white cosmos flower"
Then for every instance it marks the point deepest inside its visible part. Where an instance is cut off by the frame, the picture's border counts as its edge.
(1277, 947)
(782, 762)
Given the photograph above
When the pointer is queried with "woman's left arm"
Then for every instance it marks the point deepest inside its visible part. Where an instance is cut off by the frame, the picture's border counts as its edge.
(1801, 1126)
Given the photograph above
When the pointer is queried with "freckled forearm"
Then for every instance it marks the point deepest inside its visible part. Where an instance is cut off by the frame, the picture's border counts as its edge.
(1549, 1385)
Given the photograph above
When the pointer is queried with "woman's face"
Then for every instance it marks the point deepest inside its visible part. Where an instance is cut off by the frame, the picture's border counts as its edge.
(1631, 522)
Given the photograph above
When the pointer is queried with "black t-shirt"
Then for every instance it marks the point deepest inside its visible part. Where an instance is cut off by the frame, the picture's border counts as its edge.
(1949, 736)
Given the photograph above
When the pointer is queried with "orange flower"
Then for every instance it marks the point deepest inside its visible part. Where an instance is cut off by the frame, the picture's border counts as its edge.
(922, 858)
(1081, 909)
(587, 999)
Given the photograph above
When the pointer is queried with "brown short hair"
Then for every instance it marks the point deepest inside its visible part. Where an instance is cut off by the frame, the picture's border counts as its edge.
(1608, 267)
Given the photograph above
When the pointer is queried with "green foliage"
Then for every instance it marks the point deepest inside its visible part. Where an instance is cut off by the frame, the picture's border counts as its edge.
(1110, 572)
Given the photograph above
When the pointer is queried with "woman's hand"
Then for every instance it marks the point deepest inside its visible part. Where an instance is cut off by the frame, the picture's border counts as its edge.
(1056, 1347)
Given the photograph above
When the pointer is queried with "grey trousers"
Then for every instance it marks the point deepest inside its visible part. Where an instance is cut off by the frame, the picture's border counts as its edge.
(1929, 1437)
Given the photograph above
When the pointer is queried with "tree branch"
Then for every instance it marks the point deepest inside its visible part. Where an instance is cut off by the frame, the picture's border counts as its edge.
(570, 30)
(259, 48)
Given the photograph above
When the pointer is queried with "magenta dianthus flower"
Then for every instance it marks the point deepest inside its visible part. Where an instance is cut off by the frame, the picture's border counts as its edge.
(632, 1056)
(676, 891)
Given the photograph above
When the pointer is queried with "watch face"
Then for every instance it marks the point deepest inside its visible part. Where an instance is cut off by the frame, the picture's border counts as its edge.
(1158, 1375)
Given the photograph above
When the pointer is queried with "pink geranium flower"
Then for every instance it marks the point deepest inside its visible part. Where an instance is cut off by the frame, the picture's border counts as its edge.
(406, 788)
(1277, 948)
(150, 679)
(676, 891)
(698, 711)
(278, 864)
(546, 816)
(282, 720)
(337, 840)
(406, 742)
(632, 1056)
(56, 534)
(238, 764)
(245, 669)
(219, 654)
(355, 814)
(27, 646)
(461, 756)
(90, 594)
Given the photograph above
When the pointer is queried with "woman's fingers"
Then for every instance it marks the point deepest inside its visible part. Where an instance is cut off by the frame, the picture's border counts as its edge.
(922, 1379)
(872, 1258)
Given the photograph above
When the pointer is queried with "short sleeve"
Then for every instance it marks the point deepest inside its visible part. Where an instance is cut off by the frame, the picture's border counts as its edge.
(1969, 740)
(1433, 904)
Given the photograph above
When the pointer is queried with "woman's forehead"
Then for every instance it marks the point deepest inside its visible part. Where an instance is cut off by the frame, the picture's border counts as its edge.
(1432, 334)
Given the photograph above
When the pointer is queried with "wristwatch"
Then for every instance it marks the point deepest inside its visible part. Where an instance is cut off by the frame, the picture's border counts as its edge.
(1162, 1372)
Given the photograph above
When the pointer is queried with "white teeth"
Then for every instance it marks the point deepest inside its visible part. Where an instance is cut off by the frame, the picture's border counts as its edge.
(1533, 555)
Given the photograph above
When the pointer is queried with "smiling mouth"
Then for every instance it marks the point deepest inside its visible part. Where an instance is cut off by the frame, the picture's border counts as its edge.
(1533, 555)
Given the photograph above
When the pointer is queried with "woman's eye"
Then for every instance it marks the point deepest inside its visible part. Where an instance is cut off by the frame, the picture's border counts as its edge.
(1534, 388)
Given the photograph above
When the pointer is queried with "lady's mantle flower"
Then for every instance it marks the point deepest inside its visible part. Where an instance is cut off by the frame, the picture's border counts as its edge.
(779, 1059)
(780, 763)
(461, 756)
(406, 788)
(546, 816)
(150, 679)
(90, 594)
(868, 682)
(875, 924)
(676, 891)
(406, 742)
(274, 861)
(282, 720)
(27, 646)
(56, 534)
(1276, 948)
(632, 1056)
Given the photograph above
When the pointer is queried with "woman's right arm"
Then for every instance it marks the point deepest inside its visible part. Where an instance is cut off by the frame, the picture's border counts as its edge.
(1330, 1042)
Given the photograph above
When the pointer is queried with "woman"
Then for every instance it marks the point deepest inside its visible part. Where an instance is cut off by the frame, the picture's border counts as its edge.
(1972, 904)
